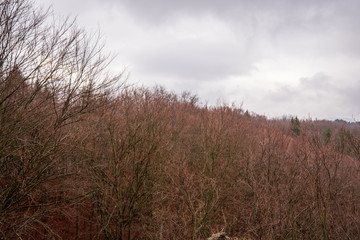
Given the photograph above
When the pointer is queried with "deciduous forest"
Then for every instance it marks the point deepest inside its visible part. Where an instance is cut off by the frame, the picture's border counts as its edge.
(83, 155)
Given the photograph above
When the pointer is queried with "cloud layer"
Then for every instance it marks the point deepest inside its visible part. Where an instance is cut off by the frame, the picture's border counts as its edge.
(278, 57)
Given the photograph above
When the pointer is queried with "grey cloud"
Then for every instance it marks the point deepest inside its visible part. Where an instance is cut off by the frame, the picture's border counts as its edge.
(286, 12)
(319, 83)
(320, 95)
(350, 96)
(317, 35)
(308, 27)
(308, 88)
(195, 60)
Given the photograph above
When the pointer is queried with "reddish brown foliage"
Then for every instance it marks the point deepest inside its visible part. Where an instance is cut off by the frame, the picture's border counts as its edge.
(80, 162)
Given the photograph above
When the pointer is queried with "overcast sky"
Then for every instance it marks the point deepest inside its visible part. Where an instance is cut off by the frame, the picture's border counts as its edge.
(275, 57)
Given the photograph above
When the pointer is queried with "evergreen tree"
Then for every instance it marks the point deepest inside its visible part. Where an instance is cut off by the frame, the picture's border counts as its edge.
(295, 126)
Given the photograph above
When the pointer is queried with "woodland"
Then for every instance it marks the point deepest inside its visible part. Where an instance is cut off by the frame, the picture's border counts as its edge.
(83, 155)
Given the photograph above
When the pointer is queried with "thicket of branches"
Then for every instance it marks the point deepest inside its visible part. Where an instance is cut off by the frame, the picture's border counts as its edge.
(81, 158)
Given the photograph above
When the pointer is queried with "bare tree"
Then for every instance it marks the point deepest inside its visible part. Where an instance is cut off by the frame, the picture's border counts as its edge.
(49, 76)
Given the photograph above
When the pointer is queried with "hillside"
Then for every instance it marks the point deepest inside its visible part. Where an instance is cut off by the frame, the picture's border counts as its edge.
(85, 156)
